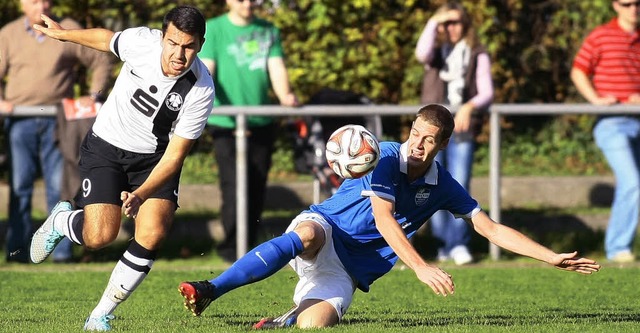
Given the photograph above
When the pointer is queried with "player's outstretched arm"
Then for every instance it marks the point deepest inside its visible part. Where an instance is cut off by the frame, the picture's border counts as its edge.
(514, 241)
(96, 38)
(438, 280)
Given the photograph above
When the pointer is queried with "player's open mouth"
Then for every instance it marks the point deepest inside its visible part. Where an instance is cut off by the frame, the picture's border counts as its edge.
(177, 65)
(416, 154)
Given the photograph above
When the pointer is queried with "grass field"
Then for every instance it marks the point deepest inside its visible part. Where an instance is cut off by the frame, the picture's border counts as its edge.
(508, 296)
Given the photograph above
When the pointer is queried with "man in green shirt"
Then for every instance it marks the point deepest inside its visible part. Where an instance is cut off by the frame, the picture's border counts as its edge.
(244, 55)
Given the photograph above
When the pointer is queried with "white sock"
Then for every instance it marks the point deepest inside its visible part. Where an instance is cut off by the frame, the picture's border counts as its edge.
(63, 223)
(125, 278)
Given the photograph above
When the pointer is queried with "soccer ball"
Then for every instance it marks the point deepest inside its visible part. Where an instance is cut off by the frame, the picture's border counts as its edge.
(352, 151)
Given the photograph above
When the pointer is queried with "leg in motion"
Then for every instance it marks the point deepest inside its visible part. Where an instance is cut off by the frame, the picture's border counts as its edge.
(46, 238)
(152, 223)
(259, 263)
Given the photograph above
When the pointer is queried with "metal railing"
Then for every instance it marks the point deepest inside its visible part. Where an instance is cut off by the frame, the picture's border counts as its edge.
(33, 111)
(496, 112)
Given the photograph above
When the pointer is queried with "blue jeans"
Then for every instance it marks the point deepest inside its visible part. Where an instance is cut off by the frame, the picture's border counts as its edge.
(619, 140)
(457, 158)
(32, 144)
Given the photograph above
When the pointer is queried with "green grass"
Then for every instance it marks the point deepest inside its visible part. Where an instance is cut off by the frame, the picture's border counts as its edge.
(508, 296)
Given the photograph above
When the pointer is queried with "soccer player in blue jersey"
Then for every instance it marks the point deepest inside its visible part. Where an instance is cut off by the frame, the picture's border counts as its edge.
(356, 236)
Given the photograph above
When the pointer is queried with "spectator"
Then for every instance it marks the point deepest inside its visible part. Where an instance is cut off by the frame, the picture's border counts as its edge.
(606, 71)
(244, 55)
(130, 161)
(357, 235)
(457, 73)
(40, 71)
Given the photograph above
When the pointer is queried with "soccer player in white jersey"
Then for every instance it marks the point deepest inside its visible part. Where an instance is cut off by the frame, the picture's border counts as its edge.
(356, 236)
(130, 161)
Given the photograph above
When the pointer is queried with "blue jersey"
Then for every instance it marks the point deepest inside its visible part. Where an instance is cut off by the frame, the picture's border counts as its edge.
(359, 245)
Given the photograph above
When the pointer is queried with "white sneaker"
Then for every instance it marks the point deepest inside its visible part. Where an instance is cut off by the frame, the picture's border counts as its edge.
(47, 237)
(442, 257)
(460, 255)
(623, 257)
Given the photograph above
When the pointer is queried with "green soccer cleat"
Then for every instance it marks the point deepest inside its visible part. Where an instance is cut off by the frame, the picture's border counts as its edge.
(46, 238)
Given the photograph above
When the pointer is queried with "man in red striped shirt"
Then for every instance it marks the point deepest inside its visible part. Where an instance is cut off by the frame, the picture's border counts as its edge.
(606, 71)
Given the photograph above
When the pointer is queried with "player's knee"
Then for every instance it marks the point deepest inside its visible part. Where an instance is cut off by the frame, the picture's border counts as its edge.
(312, 236)
(98, 241)
(318, 317)
(150, 241)
(314, 324)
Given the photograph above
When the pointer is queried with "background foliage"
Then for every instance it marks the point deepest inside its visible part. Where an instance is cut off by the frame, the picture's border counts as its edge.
(367, 47)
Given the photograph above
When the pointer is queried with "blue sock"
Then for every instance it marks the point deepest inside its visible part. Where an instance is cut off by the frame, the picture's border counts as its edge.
(259, 263)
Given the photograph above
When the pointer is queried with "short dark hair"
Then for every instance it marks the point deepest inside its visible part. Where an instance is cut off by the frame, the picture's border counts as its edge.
(439, 116)
(187, 19)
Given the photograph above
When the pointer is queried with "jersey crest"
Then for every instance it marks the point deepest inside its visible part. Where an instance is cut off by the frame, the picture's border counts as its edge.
(173, 101)
(422, 196)
(168, 111)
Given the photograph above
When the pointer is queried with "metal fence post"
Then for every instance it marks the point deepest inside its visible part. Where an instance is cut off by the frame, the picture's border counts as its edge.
(242, 223)
(494, 175)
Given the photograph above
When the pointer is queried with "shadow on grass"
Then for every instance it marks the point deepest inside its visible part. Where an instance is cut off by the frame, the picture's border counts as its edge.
(191, 234)
(419, 318)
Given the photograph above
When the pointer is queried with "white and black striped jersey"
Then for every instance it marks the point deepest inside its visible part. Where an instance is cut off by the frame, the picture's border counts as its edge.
(146, 107)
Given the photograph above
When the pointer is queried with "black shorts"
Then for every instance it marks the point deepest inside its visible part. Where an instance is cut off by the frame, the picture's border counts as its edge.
(107, 170)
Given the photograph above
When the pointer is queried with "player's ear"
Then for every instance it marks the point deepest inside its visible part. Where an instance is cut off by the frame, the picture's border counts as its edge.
(444, 143)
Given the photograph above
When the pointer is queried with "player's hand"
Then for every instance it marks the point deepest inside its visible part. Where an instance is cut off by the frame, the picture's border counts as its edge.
(52, 27)
(438, 280)
(571, 262)
(130, 204)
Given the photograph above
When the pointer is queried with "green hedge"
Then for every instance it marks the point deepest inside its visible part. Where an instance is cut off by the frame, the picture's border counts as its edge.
(367, 47)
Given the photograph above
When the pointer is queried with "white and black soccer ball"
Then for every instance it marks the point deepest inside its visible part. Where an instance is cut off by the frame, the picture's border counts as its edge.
(352, 151)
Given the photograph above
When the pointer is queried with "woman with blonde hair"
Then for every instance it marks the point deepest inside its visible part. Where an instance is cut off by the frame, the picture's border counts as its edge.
(458, 74)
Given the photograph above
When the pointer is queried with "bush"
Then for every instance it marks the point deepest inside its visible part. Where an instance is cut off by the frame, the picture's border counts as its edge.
(367, 47)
